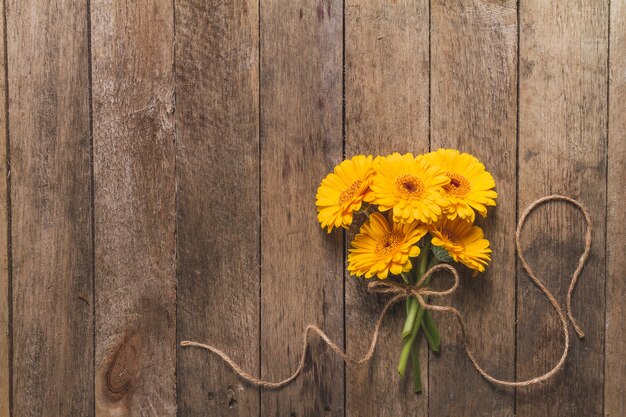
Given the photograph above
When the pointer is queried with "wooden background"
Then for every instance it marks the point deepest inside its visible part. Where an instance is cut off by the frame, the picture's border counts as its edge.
(159, 166)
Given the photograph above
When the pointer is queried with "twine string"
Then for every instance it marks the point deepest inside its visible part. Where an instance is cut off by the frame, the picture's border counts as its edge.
(401, 291)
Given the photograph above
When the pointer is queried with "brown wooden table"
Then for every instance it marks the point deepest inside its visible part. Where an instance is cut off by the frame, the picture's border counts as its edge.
(159, 166)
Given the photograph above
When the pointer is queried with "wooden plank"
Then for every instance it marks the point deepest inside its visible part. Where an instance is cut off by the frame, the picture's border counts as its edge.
(5, 342)
(562, 139)
(386, 110)
(133, 106)
(302, 268)
(473, 108)
(48, 74)
(218, 202)
(615, 366)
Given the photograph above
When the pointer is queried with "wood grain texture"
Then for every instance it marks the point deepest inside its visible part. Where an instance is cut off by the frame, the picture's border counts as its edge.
(51, 208)
(562, 139)
(5, 342)
(214, 122)
(473, 108)
(217, 91)
(302, 268)
(615, 326)
(386, 110)
(133, 106)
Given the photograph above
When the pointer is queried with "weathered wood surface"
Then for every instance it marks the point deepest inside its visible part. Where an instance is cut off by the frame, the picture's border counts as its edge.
(51, 250)
(134, 197)
(301, 266)
(615, 325)
(218, 202)
(473, 109)
(5, 318)
(386, 110)
(562, 149)
(159, 162)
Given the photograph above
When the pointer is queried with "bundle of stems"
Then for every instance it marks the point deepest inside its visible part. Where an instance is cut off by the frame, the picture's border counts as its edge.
(417, 318)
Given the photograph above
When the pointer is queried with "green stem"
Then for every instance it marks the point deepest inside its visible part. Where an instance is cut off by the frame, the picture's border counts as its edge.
(417, 373)
(408, 342)
(424, 259)
(428, 324)
(411, 315)
(406, 277)
(433, 262)
(431, 332)
(412, 304)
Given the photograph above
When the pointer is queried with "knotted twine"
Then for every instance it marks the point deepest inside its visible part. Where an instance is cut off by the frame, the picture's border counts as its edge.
(401, 291)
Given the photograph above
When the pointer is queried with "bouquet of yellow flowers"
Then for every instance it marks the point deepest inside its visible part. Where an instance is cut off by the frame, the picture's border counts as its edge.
(420, 212)
(419, 218)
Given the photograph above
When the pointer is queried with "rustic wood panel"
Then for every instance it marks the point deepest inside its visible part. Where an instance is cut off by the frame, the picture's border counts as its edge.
(133, 105)
(473, 108)
(386, 110)
(217, 91)
(615, 327)
(302, 268)
(5, 304)
(212, 124)
(562, 122)
(51, 209)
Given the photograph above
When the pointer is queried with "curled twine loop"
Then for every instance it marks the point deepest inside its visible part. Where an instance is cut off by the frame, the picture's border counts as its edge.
(402, 291)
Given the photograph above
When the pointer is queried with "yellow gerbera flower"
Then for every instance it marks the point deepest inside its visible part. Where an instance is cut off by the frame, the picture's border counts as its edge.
(343, 191)
(470, 187)
(410, 187)
(381, 248)
(464, 242)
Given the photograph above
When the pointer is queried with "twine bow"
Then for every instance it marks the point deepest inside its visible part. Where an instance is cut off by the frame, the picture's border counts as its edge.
(401, 291)
(417, 290)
